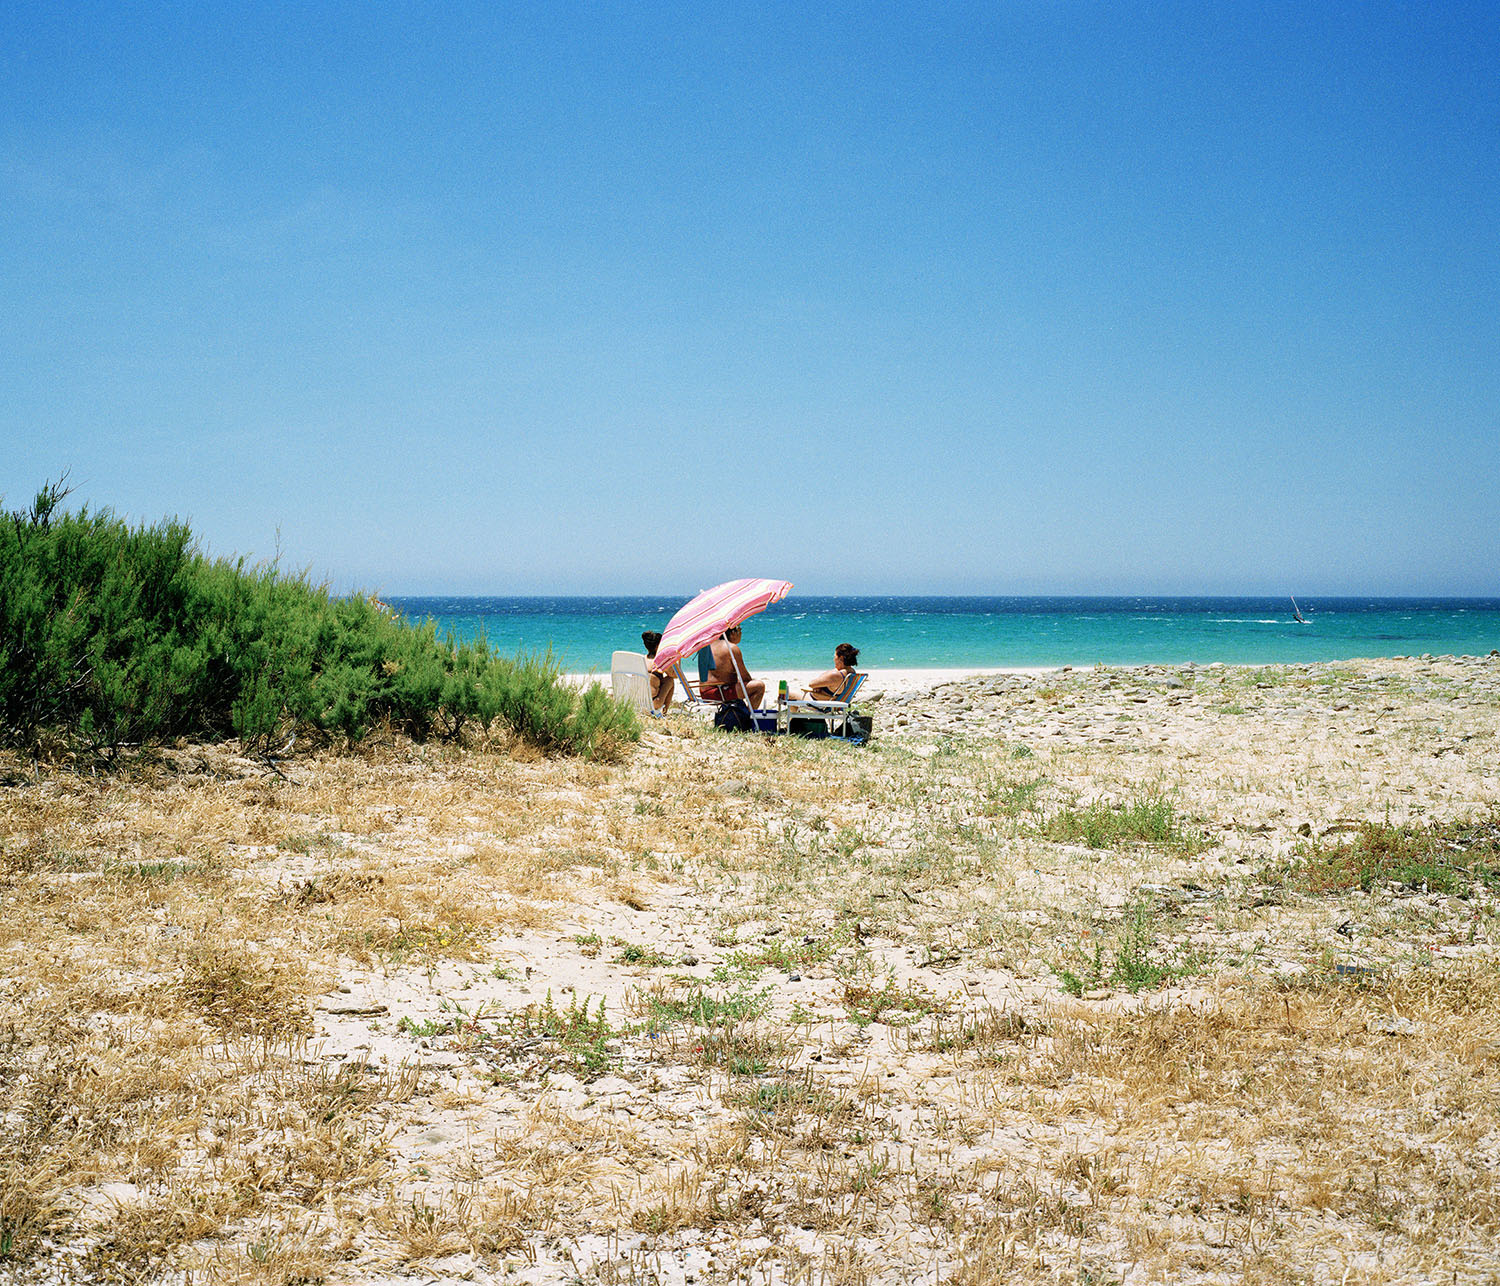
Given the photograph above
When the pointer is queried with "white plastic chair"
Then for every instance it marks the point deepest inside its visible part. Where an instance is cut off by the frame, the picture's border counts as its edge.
(630, 681)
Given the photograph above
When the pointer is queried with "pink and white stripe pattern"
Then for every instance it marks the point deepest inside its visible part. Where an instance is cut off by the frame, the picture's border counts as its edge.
(712, 612)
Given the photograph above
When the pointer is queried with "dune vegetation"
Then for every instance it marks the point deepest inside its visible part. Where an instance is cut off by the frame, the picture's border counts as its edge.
(1068, 979)
(114, 637)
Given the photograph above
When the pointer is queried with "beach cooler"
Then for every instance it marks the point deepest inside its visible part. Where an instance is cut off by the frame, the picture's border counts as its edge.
(815, 727)
(802, 725)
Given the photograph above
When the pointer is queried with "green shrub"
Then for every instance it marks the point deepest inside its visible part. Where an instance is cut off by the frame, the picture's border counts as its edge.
(113, 636)
(1451, 857)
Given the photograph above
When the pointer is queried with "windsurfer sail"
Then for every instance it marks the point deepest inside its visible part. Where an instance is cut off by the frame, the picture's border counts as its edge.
(1301, 620)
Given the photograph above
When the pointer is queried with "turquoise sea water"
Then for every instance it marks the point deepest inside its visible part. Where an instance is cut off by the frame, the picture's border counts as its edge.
(800, 632)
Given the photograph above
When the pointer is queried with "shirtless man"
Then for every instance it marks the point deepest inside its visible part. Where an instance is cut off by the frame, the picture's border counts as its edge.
(724, 680)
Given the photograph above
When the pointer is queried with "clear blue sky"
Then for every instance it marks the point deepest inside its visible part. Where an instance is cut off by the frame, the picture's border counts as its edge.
(1005, 298)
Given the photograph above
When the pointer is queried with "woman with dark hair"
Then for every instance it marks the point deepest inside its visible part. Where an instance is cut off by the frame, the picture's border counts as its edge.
(662, 685)
(826, 686)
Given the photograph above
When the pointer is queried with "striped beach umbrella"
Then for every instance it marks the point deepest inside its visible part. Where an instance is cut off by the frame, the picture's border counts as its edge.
(711, 613)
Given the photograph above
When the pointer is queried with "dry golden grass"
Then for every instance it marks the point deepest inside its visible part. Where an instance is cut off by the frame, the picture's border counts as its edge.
(1301, 1088)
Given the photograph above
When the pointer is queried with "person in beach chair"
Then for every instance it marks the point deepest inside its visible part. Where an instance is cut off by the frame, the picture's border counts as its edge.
(829, 698)
(828, 685)
(662, 685)
(730, 679)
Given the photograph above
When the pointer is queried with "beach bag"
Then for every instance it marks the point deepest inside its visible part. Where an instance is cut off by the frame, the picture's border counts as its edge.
(734, 716)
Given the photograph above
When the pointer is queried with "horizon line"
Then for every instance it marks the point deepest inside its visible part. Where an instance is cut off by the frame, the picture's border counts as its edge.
(675, 594)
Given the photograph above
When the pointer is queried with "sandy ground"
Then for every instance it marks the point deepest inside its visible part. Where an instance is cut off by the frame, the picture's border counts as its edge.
(1057, 980)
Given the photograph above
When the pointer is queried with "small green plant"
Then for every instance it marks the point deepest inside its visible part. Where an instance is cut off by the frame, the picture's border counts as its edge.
(644, 957)
(787, 954)
(163, 872)
(982, 1033)
(741, 1049)
(868, 1174)
(728, 1037)
(701, 1007)
(1134, 969)
(544, 1037)
(427, 1027)
(463, 1022)
(865, 1003)
(573, 1028)
(1451, 858)
(1011, 796)
(1134, 961)
(1074, 983)
(1150, 819)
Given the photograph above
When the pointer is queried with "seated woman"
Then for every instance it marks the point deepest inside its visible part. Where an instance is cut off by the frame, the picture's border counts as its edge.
(827, 686)
(662, 685)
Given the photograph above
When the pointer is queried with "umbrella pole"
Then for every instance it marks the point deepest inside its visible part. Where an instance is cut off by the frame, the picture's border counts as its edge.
(743, 677)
